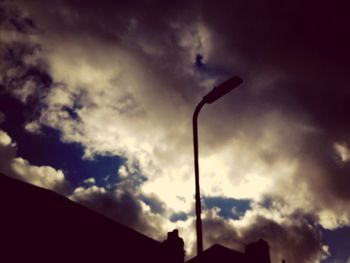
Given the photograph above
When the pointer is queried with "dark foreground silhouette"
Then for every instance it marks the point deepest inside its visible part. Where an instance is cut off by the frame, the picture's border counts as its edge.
(257, 252)
(38, 225)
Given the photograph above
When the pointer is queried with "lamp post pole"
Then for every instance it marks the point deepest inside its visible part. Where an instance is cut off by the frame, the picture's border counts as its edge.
(212, 96)
(196, 174)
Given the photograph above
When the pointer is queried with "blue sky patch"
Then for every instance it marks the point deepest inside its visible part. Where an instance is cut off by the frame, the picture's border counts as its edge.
(339, 244)
(229, 207)
(47, 148)
(181, 216)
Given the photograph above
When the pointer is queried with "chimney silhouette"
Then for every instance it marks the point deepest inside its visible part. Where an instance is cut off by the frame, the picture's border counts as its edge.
(174, 247)
(258, 252)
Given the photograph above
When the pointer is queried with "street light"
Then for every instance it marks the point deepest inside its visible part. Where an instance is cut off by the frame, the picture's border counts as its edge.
(212, 96)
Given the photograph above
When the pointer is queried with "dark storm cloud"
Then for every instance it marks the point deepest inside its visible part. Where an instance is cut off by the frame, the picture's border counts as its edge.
(23, 74)
(13, 19)
(123, 208)
(125, 24)
(307, 41)
(283, 236)
(304, 42)
(325, 174)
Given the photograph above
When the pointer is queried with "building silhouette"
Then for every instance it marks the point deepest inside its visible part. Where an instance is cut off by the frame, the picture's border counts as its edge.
(256, 252)
(39, 225)
(174, 247)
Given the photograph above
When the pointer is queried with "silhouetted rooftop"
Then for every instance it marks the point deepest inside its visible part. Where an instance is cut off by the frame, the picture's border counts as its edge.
(219, 253)
(255, 252)
(38, 225)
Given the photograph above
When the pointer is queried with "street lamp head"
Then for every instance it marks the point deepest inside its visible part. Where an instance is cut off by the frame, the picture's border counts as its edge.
(222, 89)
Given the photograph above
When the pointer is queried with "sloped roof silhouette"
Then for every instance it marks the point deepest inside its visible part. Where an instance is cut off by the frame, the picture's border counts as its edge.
(219, 253)
(39, 225)
(255, 252)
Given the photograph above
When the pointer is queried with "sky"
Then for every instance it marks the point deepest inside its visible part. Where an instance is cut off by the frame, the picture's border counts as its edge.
(96, 103)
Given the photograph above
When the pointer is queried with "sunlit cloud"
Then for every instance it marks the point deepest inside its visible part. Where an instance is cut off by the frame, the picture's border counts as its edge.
(342, 151)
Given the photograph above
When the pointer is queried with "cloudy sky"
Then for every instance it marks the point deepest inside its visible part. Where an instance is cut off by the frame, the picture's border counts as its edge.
(96, 101)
